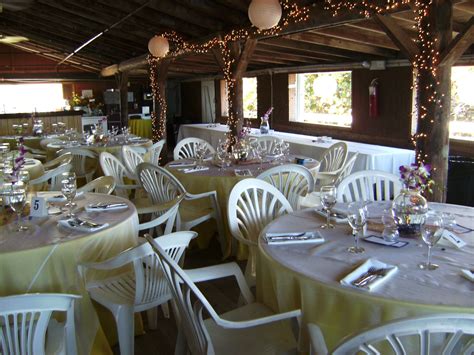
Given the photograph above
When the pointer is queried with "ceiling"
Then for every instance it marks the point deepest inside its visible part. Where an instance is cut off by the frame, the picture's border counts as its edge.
(56, 28)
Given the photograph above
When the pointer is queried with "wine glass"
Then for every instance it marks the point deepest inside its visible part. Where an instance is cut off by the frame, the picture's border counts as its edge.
(260, 151)
(14, 195)
(200, 152)
(357, 218)
(68, 188)
(285, 150)
(328, 200)
(222, 155)
(431, 232)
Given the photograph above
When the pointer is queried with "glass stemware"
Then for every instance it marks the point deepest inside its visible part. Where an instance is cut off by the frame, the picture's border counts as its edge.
(222, 155)
(431, 233)
(390, 229)
(68, 188)
(260, 151)
(14, 195)
(328, 200)
(200, 152)
(357, 218)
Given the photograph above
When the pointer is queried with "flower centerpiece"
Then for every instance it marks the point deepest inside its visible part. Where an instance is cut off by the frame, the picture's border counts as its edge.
(19, 161)
(410, 206)
(241, 149)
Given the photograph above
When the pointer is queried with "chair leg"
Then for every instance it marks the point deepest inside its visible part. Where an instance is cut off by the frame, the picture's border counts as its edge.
(181, 347)
(166, 310)
(152, 315)
(126, 329)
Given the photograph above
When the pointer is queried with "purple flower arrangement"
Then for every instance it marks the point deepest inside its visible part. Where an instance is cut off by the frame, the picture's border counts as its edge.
(267, 114)
(417, 176)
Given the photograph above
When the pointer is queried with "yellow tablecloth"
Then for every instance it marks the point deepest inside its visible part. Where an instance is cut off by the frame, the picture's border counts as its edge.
(307, 276)
(35, 254)
(141, 128)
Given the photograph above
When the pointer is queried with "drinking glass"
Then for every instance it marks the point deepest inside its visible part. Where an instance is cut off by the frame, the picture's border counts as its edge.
(68, 188)
(357, 218)
(222, 155)
(285, 150)
(200, 152)
(431, 232)
(328, 200)
(261, 152)
(390, 228)
(14, 195)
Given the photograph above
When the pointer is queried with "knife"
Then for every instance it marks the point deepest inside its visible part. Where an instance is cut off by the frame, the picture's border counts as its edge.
(107, 205)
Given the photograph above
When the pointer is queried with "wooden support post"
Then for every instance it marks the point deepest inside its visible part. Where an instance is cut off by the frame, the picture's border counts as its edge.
(233, 59)
(432, 142)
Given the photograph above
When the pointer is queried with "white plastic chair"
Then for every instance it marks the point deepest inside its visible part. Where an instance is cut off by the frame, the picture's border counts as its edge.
(26, 326)
(155, 152)
(65, 158)
(186, 148)
(111, 166)
(35, 153)
(252, 204)
(431, 334)
(162, 187)
(131, 158)
(81, 162)
(102, 185)
(250, 329)
(369, 185)
(141, 289)
(52, 178)
(268, 143)
(292, 180)
(333, 161)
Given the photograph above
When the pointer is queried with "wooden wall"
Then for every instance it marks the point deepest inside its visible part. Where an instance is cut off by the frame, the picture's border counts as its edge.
(191, 107)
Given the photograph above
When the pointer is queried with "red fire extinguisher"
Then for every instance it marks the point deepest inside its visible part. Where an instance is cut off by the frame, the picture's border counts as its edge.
(373, 98)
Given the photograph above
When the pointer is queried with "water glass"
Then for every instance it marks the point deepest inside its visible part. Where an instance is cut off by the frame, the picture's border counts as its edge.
(390, 228)
(200, 151)
(14, 195)
(328, 200)
(357, 218)
(431, 233)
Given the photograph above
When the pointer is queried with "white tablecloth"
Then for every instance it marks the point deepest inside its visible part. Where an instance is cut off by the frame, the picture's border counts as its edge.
(308, 276)
(371, 157)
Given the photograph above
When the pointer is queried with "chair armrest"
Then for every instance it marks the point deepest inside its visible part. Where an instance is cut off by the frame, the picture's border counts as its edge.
(259, 321)
(190, 196)
(316, 340)
(220, 271)
(168, 217)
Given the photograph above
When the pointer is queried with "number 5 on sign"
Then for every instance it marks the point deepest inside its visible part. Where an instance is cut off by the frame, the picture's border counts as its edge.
(38, 207)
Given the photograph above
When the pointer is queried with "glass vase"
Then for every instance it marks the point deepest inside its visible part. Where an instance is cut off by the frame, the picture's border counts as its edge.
(409, 211)
(264, 125)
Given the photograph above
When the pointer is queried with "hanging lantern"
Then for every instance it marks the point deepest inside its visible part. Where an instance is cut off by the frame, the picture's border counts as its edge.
(158, 46)
(264, 14)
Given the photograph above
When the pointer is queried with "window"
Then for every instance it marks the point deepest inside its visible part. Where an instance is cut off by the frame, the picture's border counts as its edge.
(461, 125)
(249, 98)
(31, 97)
(321, 98)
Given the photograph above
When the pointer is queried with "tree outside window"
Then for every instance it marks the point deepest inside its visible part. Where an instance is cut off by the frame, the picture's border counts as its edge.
(461, 124)
(249, 98)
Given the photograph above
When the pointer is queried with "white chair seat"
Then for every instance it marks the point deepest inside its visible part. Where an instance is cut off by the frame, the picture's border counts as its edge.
(271, 338)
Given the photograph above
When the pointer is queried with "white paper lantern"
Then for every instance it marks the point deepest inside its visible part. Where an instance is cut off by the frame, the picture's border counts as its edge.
(264, 14)
(158, 46)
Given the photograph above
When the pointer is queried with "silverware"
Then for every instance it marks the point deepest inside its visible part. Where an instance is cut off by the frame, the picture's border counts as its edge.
(301, 236)
(107, 205)
(82, 222)
(372, 274)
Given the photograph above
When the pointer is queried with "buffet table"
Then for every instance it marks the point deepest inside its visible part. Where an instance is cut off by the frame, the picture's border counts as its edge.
(307, 276)
(371, 157)
(45, 258)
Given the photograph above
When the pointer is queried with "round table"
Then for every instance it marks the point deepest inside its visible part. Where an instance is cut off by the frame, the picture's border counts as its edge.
(307, 276)
(45, 258)
(30, 141)
(141, 127)
(222, 181)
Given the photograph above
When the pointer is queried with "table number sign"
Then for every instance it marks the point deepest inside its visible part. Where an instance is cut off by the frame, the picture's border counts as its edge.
(38, 207)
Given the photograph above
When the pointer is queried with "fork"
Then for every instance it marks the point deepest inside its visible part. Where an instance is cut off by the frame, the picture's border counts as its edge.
(376, 274)
(366, 274)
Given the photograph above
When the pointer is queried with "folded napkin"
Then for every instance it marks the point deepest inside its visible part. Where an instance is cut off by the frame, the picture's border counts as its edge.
(181, 164)
(293, 238)
(193, 170)
(98, 207)
(382, 270)
(468, 274)
(242, 172)
(81, 225)
(337, 215)
(57, 197)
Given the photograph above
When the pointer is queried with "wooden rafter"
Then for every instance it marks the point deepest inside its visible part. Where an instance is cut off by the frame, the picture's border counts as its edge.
(458, 45)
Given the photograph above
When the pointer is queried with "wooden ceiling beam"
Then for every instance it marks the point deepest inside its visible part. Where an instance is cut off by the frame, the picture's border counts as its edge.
(245, 56)
(215, 10)
(341, 46)
(299, 53)
(305, 46)
(285, 56)
(458, 45)
(406, 44)
(241, 5)
(347, 33)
